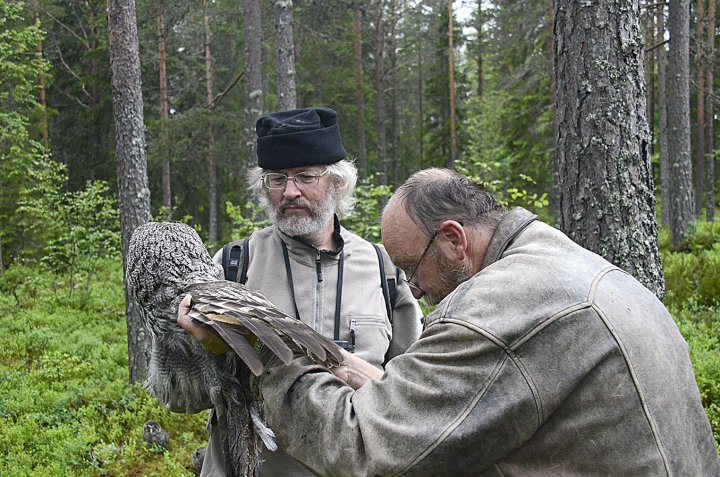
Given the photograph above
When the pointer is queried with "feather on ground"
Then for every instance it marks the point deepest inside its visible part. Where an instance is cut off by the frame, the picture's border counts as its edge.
(167, 260)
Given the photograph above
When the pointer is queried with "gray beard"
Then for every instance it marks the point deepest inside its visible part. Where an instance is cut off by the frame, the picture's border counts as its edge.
(449, 278)
(304, 227)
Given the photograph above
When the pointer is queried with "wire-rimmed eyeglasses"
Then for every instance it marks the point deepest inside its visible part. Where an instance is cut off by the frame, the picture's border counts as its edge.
(277, 181)
(411, 284)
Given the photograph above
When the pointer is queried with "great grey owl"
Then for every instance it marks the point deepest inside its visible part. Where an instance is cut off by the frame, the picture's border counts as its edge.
(164, 262)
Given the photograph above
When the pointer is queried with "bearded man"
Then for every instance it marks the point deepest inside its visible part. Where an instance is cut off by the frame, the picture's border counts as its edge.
(540, 359)
(310, 266)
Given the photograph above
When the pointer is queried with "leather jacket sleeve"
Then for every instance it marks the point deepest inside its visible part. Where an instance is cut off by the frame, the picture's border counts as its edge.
(449, 389)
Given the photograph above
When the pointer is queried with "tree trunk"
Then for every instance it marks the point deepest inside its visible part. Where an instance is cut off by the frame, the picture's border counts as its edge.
(650, 70)
(662, 119)
(42, 97)
(359, 90)
(710, 116)
(212, 168)
(700, 105)
(392, 54)
(451, 86)
(164, 114)
(253, 79)
(134, 194)
(479, 22)
(380, 93)
(285, 55)
(680, 190)
(420, 93)
(606, 187)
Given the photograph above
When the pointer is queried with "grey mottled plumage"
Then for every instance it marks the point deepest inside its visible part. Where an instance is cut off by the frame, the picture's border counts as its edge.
(154, 434)
(167, 260)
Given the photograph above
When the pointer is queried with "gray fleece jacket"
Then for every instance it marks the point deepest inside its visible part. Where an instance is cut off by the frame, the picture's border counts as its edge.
(314, 291)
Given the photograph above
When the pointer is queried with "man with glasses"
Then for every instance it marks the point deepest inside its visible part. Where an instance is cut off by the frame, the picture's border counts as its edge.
(310, 266)
(541, 358)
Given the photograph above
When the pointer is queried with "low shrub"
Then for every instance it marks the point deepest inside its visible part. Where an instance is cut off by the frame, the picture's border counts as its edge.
(66, 408)
(693, 274)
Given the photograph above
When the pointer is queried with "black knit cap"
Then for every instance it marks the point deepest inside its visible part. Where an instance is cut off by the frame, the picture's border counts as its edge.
(299, 137)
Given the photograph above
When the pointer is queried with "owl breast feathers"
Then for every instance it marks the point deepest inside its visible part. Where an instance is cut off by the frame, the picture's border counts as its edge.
(167, 260)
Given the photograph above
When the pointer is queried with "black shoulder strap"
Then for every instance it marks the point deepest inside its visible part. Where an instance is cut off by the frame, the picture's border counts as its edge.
(231, 260)
(388, 284)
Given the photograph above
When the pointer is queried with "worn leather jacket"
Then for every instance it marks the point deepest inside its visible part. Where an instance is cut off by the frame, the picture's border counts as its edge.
(313, 296)
(550, 361)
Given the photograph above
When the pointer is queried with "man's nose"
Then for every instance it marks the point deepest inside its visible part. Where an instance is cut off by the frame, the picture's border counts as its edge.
(291, 189)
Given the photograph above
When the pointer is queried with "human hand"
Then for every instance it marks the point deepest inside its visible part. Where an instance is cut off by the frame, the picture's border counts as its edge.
(355, 371)
(205, 335)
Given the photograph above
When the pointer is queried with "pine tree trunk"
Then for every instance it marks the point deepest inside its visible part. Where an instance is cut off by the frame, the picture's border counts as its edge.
(212, 167)
(421, 107)
(680, 190)
(392, 54)
(650, 70)
(710, 117)
(285, 55)
(42, 97)
(479, 22)
(700, 105)
(253, 78)
(662, 120)
(606, 187)
(164, 115)
(359, 91)
(134, 194)
(380, 93)
(451, 86)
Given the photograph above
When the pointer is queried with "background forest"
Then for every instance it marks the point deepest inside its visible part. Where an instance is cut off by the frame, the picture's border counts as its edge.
(614, 143)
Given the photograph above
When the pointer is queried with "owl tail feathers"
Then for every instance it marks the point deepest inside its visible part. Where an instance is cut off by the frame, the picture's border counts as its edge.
(262, 430)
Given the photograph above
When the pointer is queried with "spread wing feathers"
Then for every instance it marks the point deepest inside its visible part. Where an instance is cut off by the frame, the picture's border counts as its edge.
(235, 311)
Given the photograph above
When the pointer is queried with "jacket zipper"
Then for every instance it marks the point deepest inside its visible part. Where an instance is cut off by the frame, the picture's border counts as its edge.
(318, 266)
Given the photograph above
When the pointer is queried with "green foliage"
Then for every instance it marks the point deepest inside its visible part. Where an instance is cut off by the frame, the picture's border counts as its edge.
(26, 171)
(489, 161)
(365, 220)
(246, 219)
(65, 405)
(692, 282)
(20, 282)
(700, 326)
(87, 228)
(694, 274)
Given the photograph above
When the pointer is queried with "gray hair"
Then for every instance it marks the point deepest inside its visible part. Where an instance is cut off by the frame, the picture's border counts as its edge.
(344, 172)
(431, 196)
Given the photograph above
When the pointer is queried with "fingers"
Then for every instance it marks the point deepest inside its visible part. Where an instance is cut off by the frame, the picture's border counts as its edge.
(355, 371)
(206, 336)
(184, 306)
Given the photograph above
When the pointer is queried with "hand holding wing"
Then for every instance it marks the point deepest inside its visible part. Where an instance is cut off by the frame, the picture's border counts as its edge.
(240, 315)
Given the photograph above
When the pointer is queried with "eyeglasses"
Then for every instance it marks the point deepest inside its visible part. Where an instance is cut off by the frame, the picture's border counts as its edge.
(409, 281)
(277, 181)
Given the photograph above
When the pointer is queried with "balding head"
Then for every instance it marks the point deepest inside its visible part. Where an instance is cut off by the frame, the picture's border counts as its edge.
(437, 227)
(432, 196)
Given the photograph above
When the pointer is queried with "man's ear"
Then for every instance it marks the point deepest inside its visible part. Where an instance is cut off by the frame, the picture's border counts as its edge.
(455, 241)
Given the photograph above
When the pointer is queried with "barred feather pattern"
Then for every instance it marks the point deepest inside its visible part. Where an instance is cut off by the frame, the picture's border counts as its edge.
(167, 260)
(163, 259)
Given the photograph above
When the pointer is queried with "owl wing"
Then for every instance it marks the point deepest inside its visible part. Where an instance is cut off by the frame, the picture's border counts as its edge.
(235, 311)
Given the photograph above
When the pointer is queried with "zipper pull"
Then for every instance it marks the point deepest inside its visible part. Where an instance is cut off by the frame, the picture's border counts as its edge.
(318, 268)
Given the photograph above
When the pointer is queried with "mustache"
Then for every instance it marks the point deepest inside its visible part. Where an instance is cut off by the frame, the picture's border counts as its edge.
(285, 203)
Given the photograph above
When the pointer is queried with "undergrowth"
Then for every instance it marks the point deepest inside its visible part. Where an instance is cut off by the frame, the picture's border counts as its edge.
(66, 408)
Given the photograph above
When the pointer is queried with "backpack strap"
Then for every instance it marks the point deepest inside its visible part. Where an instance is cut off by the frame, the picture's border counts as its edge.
(388, 283)
(235, 256)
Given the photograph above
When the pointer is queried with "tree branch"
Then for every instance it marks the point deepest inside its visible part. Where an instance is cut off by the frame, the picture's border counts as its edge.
(219, 97)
